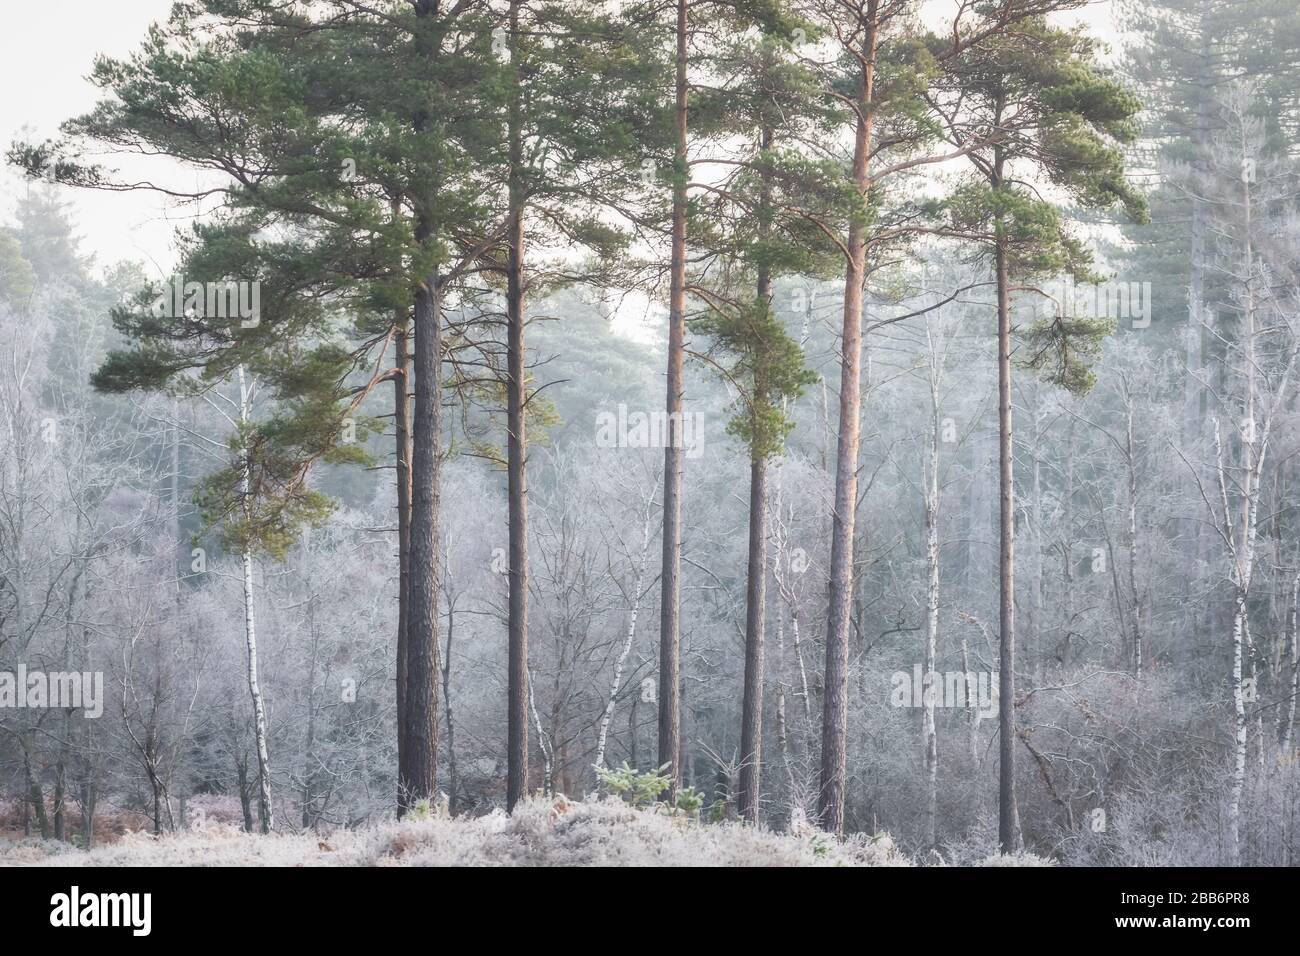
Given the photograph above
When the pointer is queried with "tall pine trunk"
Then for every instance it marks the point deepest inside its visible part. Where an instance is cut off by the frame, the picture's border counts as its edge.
(751, 727)
(418, 764)
(516, 452)
(670, 599)
(1008, 818)
(751, 722)
(830, 803)
(402, 464)
(418, 767)
(402, 456)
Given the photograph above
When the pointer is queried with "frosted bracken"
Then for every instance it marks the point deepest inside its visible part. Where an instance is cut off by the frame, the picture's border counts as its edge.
(540, 833)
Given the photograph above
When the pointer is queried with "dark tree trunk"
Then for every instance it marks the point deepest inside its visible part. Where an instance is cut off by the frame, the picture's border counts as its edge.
(402, 455)
(418, 768)
(516, 454)
(89, 797)
(751, 720)
(453, 775)
(156, 785)
(60, 778)
(751, 727)
(830, 804)
(1008, 824)
(35, 796)
(245, 795)
(670, 601)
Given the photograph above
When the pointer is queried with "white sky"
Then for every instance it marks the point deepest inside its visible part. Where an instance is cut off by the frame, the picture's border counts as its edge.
(47, 48)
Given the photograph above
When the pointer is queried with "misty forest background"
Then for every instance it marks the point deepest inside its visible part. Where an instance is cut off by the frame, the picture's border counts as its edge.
(486, 198)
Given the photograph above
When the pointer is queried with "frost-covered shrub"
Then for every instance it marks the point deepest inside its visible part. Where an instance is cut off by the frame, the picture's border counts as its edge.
(540, 833)
(1016, 859)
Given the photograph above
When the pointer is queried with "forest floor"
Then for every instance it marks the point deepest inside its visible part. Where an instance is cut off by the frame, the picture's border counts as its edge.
(539, 833)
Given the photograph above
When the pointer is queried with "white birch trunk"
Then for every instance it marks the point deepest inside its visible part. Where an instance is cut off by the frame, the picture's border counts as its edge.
(1288, 727)
(929, 731)
(1239, 732)
(547, 764)
(628, 637)
(250, 638)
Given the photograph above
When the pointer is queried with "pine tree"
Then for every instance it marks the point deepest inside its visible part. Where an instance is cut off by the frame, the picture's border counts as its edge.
(876, 73)
(749, 239)
(1058, 116)
(323, 119)
(570, 151)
